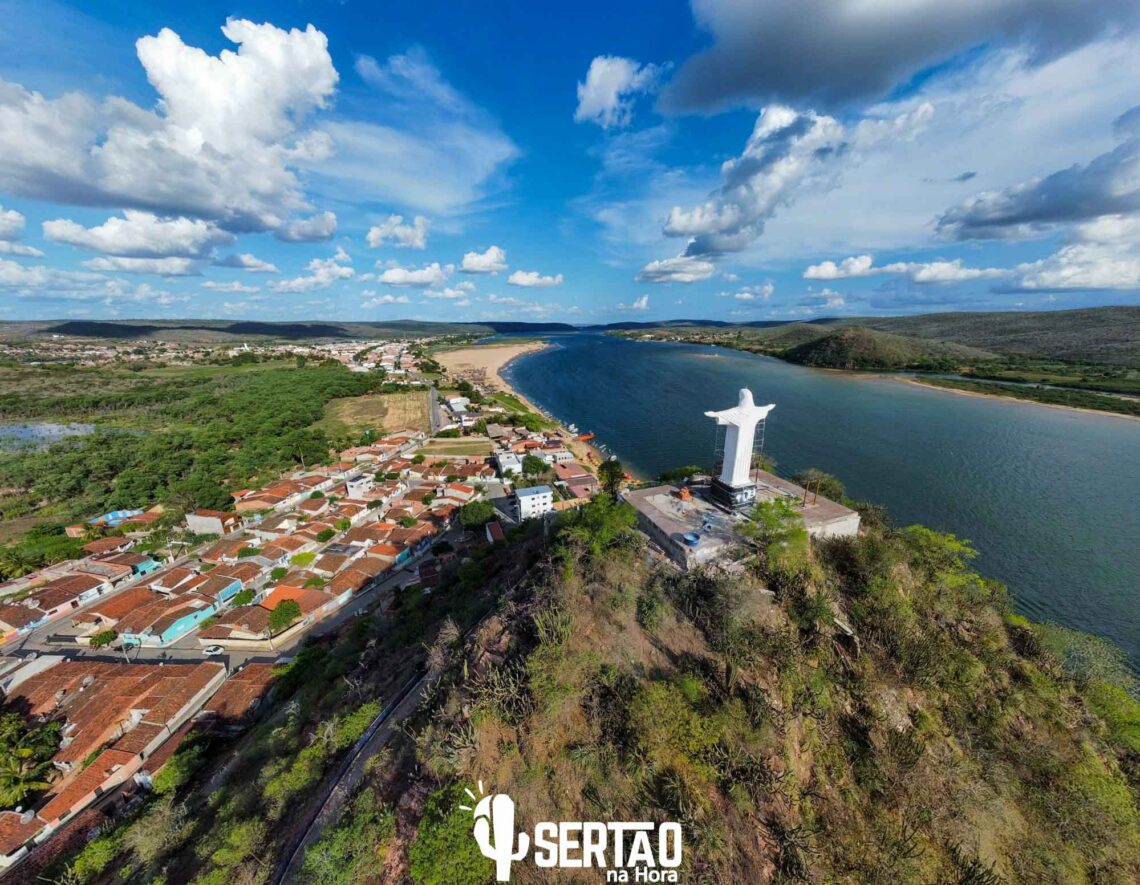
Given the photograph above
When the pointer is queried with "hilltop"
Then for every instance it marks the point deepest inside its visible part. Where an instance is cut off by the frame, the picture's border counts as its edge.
(859, 710)
(854, 347)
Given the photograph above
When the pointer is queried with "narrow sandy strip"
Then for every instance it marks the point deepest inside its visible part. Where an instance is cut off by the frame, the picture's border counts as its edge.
(1014, 399)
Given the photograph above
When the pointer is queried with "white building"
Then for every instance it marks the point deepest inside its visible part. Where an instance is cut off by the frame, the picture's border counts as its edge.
(360, 486)
(508, 462)
(534, 501)
(555, 456)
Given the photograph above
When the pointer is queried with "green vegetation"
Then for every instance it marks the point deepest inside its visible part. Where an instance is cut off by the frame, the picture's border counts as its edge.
(285, 613)
(191, 436)
(1081, 399)
(879, 715)
(104, 638)
(346, 853)
(25, 757)
(246, 595)
(815, 480)
(532, 465)
(303, 560)
(856, 347)
(611, 475)
(476, 514)
(42, 545)
(443, 852)
(680, 474)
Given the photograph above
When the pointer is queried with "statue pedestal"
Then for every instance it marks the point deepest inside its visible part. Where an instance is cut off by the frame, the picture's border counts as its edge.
(733, 497)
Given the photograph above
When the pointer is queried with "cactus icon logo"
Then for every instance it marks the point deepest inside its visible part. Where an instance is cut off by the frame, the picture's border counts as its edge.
(495, 831)
(626, 851)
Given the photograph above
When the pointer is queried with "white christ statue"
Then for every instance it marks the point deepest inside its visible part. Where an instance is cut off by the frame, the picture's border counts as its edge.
(740, 421)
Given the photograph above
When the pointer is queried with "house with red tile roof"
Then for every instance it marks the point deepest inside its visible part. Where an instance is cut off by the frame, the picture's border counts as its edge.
(122, 714)
(107, 545)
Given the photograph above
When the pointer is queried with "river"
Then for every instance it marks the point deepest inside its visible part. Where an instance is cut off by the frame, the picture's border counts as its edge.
(1050, 497)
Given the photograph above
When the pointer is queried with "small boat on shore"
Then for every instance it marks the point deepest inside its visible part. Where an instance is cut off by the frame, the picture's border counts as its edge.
(584, 437)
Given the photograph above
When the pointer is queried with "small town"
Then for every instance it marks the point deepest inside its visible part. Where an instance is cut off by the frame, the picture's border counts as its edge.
(136, 647)
(570, 443)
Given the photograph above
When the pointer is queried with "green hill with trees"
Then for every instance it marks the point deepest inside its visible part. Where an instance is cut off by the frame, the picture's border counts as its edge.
(865, 709)
(857, 347)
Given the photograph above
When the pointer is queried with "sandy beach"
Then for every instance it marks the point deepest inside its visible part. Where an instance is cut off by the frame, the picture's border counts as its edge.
(484, 364)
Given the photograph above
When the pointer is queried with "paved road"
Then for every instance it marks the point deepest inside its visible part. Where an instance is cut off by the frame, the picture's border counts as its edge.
(434, 411)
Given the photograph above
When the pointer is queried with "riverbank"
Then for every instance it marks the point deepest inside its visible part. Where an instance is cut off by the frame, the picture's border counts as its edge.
(1094, 402)
(1011, 397)
(485, 365)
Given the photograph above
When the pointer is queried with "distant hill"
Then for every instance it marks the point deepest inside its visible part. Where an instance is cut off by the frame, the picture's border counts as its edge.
(223, 331)
(856, 347)
(1103, 335)
(1096, 334)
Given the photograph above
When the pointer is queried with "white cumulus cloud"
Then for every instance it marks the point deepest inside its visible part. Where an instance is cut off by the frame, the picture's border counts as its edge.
(638, 304)
(532, 278)
(141, 234)
(314, 229)
(491, 261)
(393, 230)
(220, 145)
(371, 299)
(420, 278)
(166, 267)
(679, 269)
(323, 272)
(247, 261)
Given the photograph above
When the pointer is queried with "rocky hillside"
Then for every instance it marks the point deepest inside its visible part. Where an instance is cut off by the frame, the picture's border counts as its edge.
(939, 739)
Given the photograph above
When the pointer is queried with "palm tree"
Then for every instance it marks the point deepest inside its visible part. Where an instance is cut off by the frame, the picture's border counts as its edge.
(15, 563)
(25, 758)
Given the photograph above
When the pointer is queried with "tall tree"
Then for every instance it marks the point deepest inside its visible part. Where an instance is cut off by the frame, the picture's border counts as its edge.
(611, 474)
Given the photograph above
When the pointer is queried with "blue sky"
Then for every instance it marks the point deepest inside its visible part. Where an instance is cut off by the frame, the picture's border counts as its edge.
(569, 162)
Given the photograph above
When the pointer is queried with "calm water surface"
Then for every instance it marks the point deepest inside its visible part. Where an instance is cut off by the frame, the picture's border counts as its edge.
(1050, 497)
(37, 436)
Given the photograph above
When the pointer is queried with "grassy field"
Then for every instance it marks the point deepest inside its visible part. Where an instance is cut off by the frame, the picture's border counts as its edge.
(380, 411)
(469, 446)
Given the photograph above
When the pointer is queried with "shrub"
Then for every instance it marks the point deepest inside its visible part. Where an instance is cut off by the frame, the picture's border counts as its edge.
(284, 613)
(443, 852)
(351, 849)
(178, 770)
(245, 597)
(104, 638)
(302, 560)
(651, 606)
